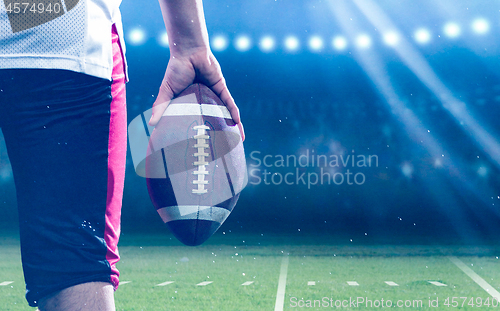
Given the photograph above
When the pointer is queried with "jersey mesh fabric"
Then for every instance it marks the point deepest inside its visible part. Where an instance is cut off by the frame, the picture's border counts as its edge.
(78, 40)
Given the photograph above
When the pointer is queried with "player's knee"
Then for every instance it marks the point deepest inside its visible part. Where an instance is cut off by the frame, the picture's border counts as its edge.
(85, 297)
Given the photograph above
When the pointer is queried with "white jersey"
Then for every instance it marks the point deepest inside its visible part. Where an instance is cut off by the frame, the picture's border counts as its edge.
(59, 34)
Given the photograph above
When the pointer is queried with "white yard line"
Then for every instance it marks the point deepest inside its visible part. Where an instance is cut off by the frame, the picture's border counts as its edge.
(311, 283)
(204, 283)
(437, 283)
(6, 283)
(476, 278)
(125, 282)
(247, 283)
(165, 283)
(391, 283)
(280, 295)
(352, 283)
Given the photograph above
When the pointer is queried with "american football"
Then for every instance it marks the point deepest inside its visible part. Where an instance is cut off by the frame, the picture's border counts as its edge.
(195, 168)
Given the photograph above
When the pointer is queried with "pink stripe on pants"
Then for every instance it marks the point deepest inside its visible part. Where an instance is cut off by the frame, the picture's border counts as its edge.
(117, 151)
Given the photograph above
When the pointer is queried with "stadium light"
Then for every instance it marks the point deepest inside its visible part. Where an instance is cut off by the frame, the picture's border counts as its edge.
(315, 43)
(422, 36)
(219, 43)
(339, 43)
(363, 41)
(482, 171)
(267, 44)
(451, 30)
(292, 43)
(391, 38)
(163, 39)
(137, 36)
(438, 163)
(480, 26)
(243, 43)
(407, 169)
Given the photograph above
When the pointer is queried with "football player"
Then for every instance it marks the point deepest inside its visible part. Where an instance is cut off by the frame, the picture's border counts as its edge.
(63, 116)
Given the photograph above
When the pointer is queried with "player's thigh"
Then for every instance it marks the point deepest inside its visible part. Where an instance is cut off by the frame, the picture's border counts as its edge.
(57, 136)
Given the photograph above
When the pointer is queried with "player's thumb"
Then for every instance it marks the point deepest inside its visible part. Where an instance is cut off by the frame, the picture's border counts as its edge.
(165, 94)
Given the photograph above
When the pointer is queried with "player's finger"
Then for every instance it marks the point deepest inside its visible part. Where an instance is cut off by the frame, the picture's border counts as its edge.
(214, 79)
(222, 91)
(242, 131)
(228, 100)
(165, 94)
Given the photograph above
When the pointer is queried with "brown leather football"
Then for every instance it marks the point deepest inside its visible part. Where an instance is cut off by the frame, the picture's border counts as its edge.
(195, 165)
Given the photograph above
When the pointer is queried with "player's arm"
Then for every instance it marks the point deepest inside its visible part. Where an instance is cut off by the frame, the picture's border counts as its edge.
(191, 59)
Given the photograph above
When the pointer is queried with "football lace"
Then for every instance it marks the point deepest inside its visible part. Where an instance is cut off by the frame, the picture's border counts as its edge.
(201, 153)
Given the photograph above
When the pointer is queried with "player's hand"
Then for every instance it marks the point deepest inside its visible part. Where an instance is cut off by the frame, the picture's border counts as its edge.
(198, 65)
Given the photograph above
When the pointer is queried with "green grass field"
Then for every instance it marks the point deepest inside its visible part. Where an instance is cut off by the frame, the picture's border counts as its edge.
(317, 274)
